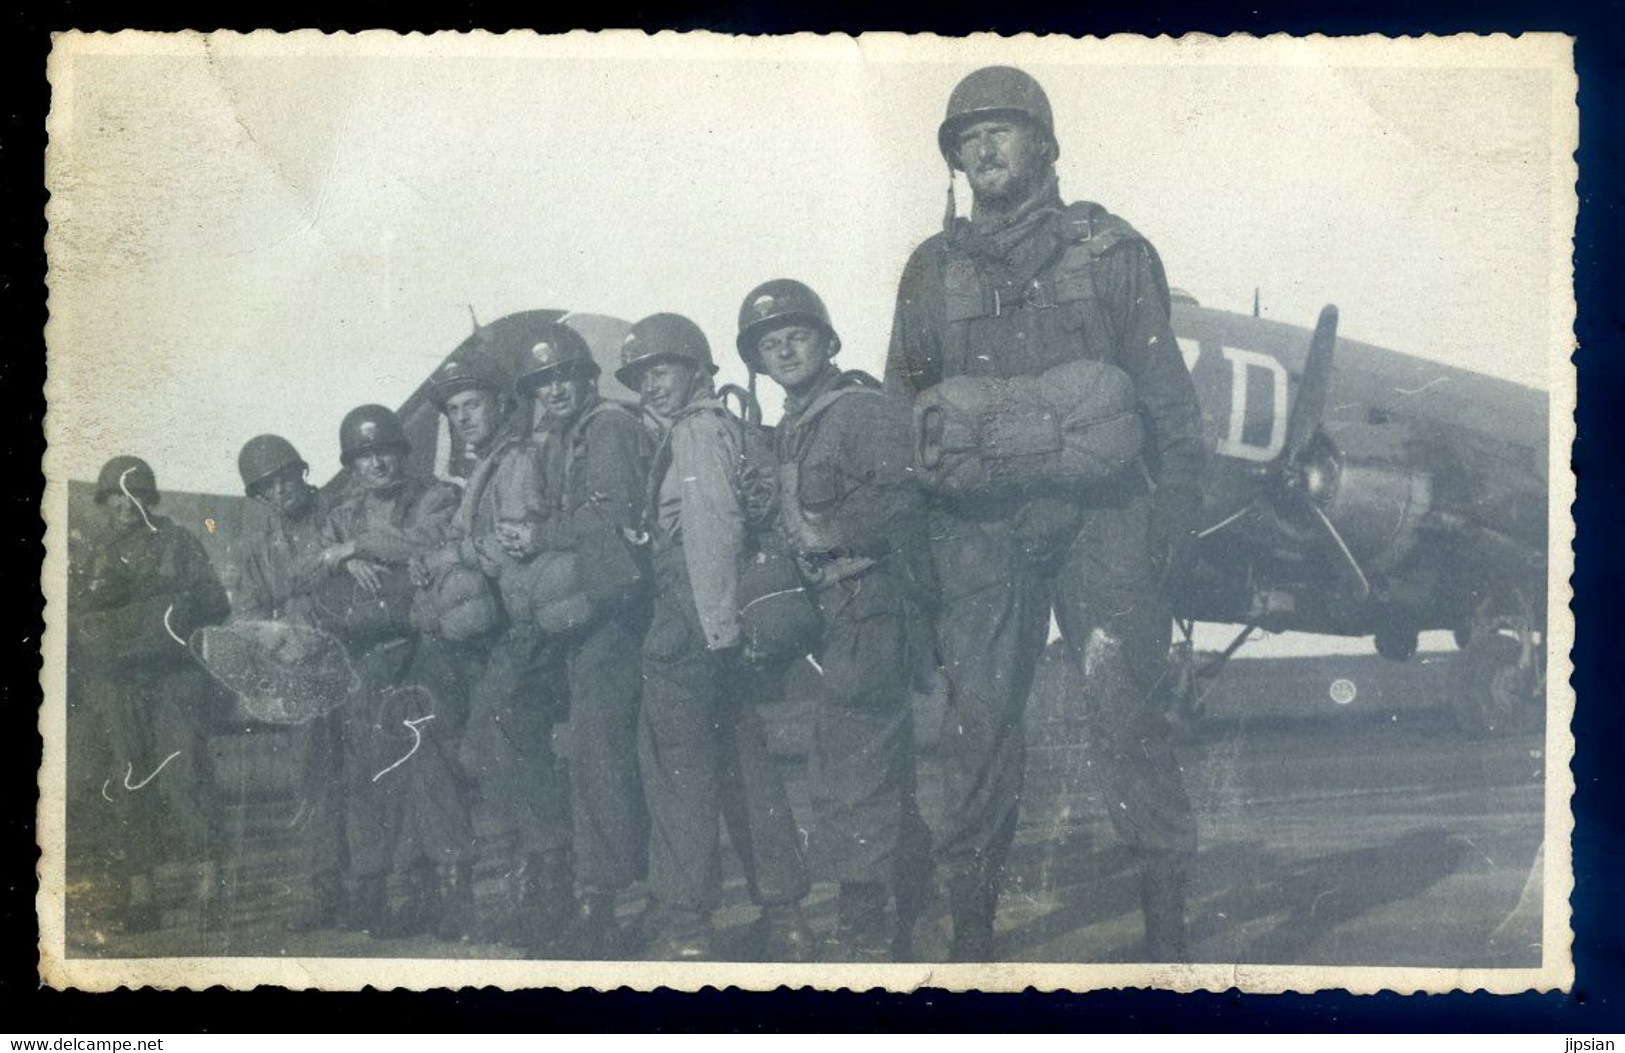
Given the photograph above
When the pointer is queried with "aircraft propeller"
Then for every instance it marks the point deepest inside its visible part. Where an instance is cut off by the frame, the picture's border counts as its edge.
(1290, 491)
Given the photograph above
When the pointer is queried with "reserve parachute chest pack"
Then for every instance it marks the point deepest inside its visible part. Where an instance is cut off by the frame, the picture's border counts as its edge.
(997, 424)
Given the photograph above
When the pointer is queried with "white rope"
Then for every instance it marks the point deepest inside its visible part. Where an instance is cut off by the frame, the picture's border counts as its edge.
(134, 500)
(170, 629)
(417, 740)
(129, 770)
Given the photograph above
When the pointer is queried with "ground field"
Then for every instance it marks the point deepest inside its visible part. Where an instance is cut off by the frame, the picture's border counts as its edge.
(1367, 832)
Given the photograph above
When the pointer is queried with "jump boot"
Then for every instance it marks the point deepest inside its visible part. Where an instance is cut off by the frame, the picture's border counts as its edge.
(369, 907)
(213, 908)
(1162, 898)
(325, 907)
(973, 905)
(782, 934)
(548, 907)
(140, 903)
(678, 935)
(863, 930)
(420, 913)
(596, 936)
(457, 913)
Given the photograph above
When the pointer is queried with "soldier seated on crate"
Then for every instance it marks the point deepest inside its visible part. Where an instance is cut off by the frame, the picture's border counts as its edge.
(277, 575)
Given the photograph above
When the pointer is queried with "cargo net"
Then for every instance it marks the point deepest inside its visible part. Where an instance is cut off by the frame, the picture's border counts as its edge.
(279, 673)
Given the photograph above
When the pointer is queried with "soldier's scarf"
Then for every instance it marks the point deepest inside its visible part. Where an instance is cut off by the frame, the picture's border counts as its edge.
(995, 235)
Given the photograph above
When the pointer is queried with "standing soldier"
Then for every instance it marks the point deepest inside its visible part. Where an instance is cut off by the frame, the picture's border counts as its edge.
(402, 798)
(1025, 284)
(148, 586)
(851, 512)
(278, 572)
(596, 482)
(507, 747)
(702, 745)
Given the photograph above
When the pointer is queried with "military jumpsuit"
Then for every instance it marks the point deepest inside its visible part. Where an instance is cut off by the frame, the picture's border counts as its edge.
(702, 744)
(281, 565)
(1051, 285)
(597, 473)
(852, 513)
(147, 698)
(507, 745)
(411, 810)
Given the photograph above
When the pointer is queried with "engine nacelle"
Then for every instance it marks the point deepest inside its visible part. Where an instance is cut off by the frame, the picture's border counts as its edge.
(1366, 487)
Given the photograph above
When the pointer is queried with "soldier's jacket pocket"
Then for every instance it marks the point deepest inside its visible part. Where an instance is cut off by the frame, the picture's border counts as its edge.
(671, 634)
(823, 485)
(863, 598)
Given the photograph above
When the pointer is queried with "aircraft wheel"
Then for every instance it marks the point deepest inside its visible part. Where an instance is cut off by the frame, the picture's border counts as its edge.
(1499, 684)
(1397, 643)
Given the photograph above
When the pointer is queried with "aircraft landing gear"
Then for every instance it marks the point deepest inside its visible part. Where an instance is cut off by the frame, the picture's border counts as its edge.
(1396, 642)
(1192, 673)
(1501, 685)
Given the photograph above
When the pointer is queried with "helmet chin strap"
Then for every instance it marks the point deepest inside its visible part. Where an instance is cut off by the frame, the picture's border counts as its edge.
(951, 211)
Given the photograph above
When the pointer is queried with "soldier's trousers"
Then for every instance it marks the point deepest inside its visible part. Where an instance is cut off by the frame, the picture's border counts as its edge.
(161, 800)
(867, 825)
(319, 747)
(991, 633)
(606, 793)
(507, 744)
(403, 801)
(703, 753)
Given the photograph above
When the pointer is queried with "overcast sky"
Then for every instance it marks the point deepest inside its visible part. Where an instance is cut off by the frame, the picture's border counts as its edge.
(258, 235)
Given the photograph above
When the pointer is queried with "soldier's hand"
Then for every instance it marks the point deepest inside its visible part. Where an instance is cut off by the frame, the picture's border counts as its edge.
(424, 569)
(369, 576)
(518, 539)
(333, 555)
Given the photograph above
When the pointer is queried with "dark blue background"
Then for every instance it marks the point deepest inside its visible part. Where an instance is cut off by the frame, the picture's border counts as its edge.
(1593, 1006)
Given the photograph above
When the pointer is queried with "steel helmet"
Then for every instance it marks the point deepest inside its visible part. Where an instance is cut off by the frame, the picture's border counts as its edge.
(553, 346)
(368, 428)
(659, 338)
(463, 371)
(126, 474)
(992, 92)
(263, 456)
(775, 304)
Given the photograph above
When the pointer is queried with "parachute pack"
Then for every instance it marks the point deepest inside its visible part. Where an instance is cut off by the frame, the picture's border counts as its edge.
(278, 673)
(1073, 424)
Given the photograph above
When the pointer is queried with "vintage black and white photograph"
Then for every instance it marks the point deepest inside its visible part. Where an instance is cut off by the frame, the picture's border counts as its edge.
(667, 510)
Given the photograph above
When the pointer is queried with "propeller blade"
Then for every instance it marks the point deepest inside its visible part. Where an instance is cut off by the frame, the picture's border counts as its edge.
(1342, 546)
(1229, 520)
(1304, 419)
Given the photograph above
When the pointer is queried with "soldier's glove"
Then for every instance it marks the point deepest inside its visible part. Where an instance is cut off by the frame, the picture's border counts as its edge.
(435, 563)
(368, 575)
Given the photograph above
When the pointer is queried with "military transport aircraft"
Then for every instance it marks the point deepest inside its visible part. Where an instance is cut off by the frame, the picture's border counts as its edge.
(1357, 491)
(1351, 491)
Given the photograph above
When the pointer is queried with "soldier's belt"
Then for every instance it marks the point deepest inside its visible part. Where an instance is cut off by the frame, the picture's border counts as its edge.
(826, 568)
